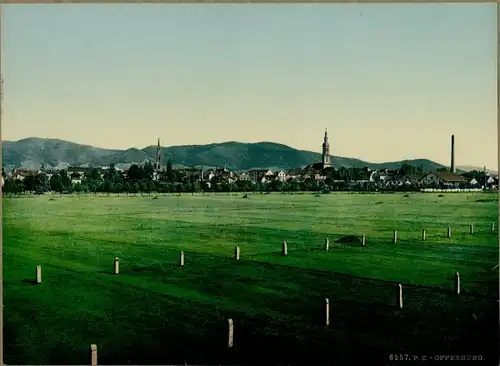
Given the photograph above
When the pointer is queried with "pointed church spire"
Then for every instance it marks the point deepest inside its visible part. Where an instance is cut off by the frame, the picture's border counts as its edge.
(158, 156)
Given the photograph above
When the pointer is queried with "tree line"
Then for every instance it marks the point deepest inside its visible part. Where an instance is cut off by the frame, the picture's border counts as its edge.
(144, 179)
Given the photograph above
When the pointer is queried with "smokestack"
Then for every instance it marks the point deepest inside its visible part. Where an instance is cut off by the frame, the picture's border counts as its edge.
(453, 153)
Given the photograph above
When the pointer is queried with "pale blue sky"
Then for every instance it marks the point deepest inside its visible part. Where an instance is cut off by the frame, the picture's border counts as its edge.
(389, 81)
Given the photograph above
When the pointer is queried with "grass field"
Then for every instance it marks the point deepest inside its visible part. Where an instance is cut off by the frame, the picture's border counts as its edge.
(155, 312)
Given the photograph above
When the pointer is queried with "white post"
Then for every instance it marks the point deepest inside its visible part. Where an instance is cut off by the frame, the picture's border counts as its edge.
(327, 312)
(231, 333)
(400, 296)
(93, 354)
(38, 274)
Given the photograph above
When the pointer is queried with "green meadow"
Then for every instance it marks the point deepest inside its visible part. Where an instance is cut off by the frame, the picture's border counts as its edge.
(156, 312)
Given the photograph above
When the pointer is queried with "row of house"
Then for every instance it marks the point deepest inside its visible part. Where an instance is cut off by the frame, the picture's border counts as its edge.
(384, 177)
(76, 174)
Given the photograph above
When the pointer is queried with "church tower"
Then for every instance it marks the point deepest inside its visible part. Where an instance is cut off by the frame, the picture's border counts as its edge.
(158, 156)
(326, 152)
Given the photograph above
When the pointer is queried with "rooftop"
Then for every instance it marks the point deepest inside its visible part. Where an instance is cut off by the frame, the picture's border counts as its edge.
(451, 177)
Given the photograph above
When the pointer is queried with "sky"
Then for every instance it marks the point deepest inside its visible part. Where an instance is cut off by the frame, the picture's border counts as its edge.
(389, 81)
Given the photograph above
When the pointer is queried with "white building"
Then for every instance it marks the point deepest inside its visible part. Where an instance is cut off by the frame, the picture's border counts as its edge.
(281, 175)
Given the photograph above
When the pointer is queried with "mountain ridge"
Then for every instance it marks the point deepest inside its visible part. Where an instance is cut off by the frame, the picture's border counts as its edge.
(468, 168)
(35, 151)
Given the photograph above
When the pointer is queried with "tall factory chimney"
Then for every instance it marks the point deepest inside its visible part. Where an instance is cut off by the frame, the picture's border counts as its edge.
(453, 154)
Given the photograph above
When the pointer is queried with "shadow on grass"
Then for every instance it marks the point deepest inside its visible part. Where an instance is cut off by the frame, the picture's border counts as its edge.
(278, 253)
(368, 280)
(29, 282)
(155, 269)
(349, 240)
(487, 200)
(196, 264)
(154, 327)
(109, 273)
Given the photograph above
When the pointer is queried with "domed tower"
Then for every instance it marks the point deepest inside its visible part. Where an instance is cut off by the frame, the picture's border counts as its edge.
(326, 152)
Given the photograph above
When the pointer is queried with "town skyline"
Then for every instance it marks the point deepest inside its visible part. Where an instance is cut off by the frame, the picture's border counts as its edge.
(160, 147)
(387, 87)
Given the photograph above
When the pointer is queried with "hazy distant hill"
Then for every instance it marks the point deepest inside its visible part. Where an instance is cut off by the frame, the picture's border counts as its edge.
(467, 168)
(33, 152)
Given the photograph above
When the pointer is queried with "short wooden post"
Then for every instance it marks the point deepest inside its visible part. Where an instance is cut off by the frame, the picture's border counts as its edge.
(181, 259)
(363, 239)
(400, 296)
(492, 227)
(327, 244)
(116, 266)
(471, 229)
(93, 354)
(395, 237)
(285, 249)
(449, 232)
(231, 333)
(38, 274)
(457, 283)
(237, 253)
(424, 235)
(327, 312)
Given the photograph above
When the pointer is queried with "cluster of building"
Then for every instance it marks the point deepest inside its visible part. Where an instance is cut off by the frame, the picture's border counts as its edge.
(319, 172)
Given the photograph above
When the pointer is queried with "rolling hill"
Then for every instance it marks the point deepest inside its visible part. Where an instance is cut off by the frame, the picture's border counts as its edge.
(467, 168)
(33, 152)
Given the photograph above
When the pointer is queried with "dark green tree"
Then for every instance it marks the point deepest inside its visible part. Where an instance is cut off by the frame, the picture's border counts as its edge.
(42, 184)
(108, 186)
(142, 186)
(56, 183)
(148, 171)
(111, 174)
(18, 186)
(276, 185)
(8, 187)
(77, 187)
(93, 175)
(29, 183)
(170, 174)
(65, 181)
(135, 173)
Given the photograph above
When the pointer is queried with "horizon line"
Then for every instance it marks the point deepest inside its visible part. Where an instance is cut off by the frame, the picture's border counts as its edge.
(238, 142)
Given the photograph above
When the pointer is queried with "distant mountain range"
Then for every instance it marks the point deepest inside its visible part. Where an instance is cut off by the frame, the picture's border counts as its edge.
(468, 168)
(32, 153)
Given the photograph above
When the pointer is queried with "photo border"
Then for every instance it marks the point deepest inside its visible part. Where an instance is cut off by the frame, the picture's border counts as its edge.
(5, 2)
